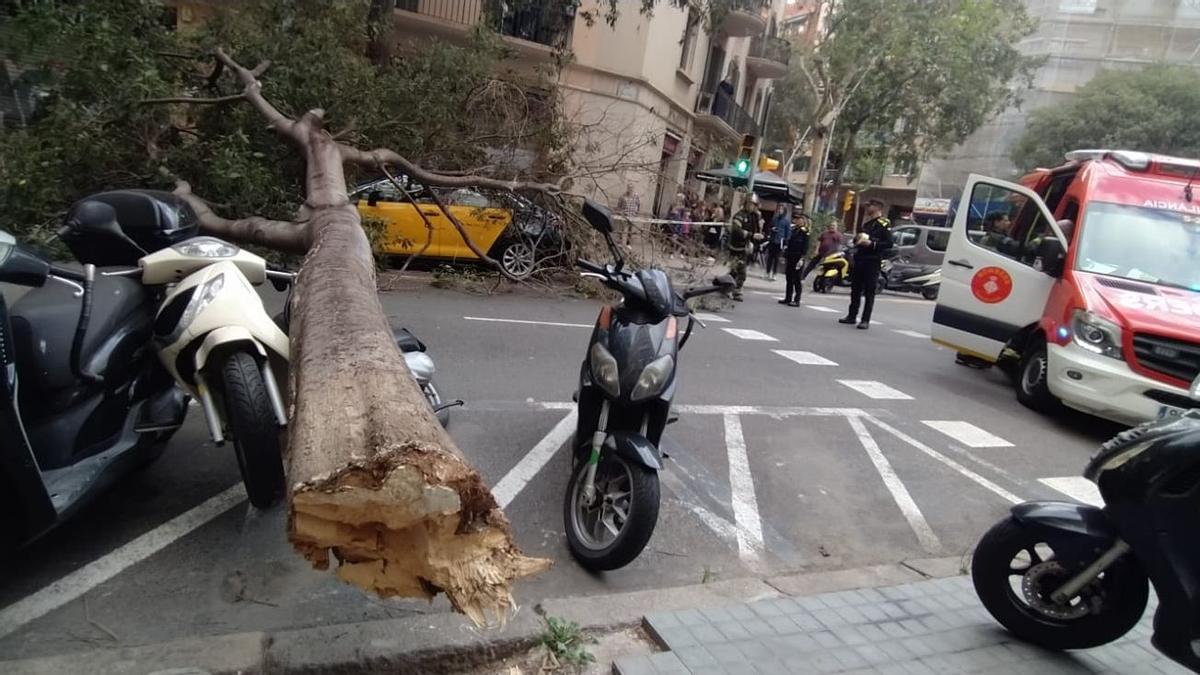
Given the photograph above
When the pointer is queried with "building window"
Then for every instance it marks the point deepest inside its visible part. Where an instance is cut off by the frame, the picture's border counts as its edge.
(688, 43)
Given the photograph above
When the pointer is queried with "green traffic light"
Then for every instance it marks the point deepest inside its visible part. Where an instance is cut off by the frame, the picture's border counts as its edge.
(742, 166)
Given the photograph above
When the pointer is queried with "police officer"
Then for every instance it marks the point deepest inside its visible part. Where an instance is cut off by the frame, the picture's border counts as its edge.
(872, 243)
(743, 230)
(793, 260)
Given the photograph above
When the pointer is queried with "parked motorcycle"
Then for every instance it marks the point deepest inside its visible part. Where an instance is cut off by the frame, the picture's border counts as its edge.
(833, 270)
(1069, 576)
(627, 383)
(905, 277)
(83, 400)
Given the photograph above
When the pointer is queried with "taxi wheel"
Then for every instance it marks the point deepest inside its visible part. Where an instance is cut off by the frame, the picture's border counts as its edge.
(517, 257)
(1033, 390)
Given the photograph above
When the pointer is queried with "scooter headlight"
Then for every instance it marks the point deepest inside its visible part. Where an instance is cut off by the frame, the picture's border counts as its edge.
(1096, 334)
(206, 247)
(207, 292)
(653, 378)
(604, 370)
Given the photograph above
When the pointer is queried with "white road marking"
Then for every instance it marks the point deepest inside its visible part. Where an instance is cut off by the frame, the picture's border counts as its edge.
(531, 323)
(720, 527)
(911, 333)
(692, 409)
(745, 504)
(968, 434)
(908, 507)
(876, 390)
(84, 579)
(821, 308)
(775, 293)
(519, 476)
(804, 358)
(715, 318)
(1001, 492)
(1076, 487)
(748, 334)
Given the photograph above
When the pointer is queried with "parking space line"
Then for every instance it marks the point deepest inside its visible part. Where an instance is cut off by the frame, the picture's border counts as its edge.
(531, 323)
(749, 334)
(689, 408)
(519, 476)
(1076, 487)
(876, 390)
(911, 333)
(908, 507)
(968, 434)
(705, 316)
(804, 358)
(742, 497)
(84, 579)
(969, 474)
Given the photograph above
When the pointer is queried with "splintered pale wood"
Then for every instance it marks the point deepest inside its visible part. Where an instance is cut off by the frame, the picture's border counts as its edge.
(376, 483)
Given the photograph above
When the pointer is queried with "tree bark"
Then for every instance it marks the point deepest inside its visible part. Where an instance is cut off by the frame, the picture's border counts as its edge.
(815, 162)
(373, 478)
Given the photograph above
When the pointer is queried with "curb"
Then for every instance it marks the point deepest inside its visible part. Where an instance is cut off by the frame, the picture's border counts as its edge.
(447, 642)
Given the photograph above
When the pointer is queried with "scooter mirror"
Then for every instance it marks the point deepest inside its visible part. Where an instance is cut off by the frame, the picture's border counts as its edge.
(598, 216)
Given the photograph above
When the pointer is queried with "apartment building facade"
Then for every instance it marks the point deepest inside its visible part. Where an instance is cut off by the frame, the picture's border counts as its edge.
(1078, 39)
(657, 97)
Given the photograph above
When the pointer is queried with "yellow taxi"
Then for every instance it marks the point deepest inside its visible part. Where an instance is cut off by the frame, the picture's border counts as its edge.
(487, 219)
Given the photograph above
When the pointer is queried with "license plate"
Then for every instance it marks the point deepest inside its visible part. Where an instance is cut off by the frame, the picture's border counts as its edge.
(1169, 412)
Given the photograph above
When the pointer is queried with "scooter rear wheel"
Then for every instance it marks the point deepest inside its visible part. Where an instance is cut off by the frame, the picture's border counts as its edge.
(255, 431)
(611, 532)
(1015, 572)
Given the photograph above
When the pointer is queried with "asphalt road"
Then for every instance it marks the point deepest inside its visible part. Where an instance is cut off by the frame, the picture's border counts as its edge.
(853, 448)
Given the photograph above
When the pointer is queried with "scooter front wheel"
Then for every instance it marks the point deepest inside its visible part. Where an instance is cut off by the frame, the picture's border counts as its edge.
(611, 531)
(1015, 573)
(254, 429)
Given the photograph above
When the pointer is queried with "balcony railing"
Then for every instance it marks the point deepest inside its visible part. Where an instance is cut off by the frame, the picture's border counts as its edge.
(546, 23)
(722, 106)
(772, 48)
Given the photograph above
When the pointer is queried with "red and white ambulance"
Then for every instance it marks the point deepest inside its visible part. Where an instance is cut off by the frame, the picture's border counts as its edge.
(1084, 281)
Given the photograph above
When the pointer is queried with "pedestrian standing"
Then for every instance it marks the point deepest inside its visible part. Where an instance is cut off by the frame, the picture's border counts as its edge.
(712, 235)
(829, 241)
(743, 230)
(793, 260)
(629, 205)
(781, 227)
(872, 243)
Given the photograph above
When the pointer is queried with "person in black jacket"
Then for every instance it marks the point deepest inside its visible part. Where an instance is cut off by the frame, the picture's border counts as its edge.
(872, 243)
(793, 259)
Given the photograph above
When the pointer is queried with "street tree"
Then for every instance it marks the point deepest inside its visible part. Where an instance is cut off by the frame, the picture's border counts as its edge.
(869, 77)
(374, 482)
(1151, 109)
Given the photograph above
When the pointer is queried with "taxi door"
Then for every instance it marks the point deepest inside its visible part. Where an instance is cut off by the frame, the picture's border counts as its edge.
(992, 279)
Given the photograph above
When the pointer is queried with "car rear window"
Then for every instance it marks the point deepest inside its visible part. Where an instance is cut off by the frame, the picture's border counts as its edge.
(936, 240)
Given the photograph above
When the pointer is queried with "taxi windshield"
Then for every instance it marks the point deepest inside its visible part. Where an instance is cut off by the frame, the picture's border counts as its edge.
(1134, 242)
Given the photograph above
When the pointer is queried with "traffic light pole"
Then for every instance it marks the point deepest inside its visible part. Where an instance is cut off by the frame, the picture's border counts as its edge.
(758, 145)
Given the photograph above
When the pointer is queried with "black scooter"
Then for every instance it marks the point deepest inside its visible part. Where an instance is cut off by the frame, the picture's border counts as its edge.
(1070, 576)
(83, 398)
(626, 385)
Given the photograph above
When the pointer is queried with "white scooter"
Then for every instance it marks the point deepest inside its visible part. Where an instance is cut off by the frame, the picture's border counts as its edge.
(217, 340)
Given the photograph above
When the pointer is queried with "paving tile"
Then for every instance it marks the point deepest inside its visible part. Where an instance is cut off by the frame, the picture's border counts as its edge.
(740, 612)
(827, 639)
(807, 622)
(772, 668)
(835, 599)
(633, 665)
(873, 612)
(759, 628)
(725, 654)
(873, 654)
(934, 623)
(798, 643)
(851, 614)
(707, 634)
(912, 607)
(754, 650)
(666, 663)
(732, 630)
(782, 625)
(896, 650)
(871, 595)
(694, 657)
(811, 602)
(913, 626)
(690, 617)
(676, 637)
(663, 619)
(917, 646)
(829, 618)
(893, 629)
(849, 658)
(716, 614)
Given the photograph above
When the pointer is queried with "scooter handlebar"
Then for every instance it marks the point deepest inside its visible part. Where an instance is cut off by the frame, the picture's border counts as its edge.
(591, 266)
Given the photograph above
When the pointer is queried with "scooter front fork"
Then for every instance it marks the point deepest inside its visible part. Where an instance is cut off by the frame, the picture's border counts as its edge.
(589, 472)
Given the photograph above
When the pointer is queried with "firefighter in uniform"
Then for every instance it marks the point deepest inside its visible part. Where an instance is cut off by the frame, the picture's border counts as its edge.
(872, 244)
(745, 227)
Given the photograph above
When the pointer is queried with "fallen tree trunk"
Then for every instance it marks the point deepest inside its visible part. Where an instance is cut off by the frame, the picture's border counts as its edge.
(374, 479)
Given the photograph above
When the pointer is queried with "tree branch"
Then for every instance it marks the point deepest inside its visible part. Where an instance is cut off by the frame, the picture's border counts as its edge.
(277, 234)
(380, 157)
(428, 225)
(191, 99)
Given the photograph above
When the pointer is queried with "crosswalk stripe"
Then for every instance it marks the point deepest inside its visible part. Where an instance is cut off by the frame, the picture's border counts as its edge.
(805, 358)
(748, 334)
(821, 308)
(911, 333)
(968, 434)
(876, 390)
(705, 316)
(1076, 487)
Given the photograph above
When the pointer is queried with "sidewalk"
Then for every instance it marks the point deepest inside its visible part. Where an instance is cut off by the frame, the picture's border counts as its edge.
(922, 628)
